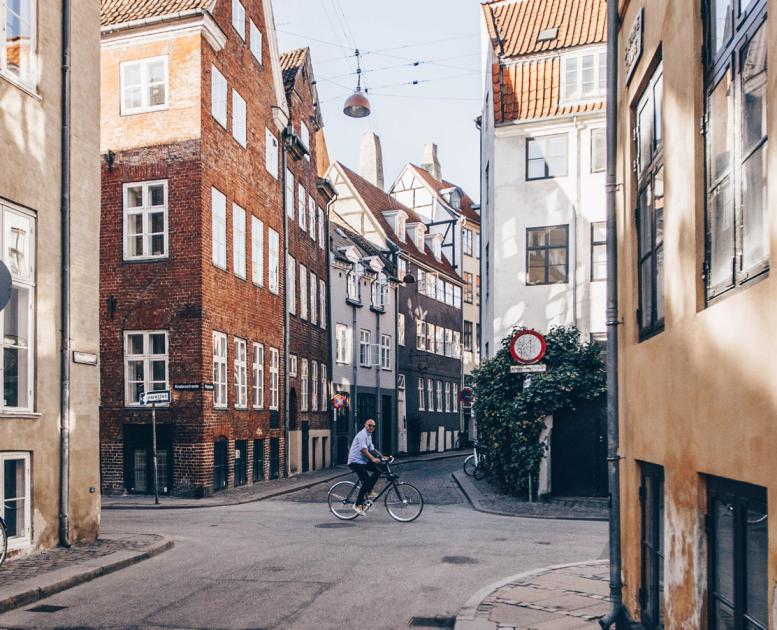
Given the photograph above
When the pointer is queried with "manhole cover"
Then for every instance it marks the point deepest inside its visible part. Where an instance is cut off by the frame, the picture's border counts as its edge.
(432, 622)
(46, 608)
(459, 560)
(334, 525)
(542, 542)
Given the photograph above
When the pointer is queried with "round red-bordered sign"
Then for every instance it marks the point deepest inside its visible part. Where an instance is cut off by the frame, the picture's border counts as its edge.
(340, 401)
(528, 346)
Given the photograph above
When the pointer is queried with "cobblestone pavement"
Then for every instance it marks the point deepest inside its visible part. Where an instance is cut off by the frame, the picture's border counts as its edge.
(27, 567)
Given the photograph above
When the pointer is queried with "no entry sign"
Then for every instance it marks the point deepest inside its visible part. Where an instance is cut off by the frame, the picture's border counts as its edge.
(527, 347)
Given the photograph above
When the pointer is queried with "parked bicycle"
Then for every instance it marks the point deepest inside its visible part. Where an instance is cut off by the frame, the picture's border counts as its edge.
(403, 501)
(475, 464)
(3, 540)
(463, 441)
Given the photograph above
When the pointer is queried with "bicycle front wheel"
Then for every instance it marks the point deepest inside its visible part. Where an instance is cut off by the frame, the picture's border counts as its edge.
(404, 502)
(3, 542)
(342, 498)
(469, 465)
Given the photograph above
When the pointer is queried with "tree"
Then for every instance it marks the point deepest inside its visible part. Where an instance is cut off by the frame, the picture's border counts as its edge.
(511, 417)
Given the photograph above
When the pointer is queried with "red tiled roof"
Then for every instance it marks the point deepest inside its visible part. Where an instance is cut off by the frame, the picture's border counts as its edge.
(291, 62)
(379, 202)
(437, 185)
(120, 11)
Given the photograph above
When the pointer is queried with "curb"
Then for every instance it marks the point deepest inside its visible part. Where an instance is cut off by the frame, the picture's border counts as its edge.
(478, 507)
(465, 619)
(271, 494)
(64, 579)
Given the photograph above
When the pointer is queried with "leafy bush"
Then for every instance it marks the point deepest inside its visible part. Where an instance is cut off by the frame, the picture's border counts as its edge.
(511, 417)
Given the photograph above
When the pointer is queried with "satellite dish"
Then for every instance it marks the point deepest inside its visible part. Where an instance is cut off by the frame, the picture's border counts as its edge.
(5, 285)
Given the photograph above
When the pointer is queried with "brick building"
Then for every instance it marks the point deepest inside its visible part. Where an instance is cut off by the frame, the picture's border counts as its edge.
(306, 196)
(192, 283)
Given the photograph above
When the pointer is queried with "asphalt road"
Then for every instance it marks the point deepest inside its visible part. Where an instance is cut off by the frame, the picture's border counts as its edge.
(289, 564)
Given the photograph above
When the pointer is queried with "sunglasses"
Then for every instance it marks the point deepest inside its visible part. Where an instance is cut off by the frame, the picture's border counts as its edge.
(370, 426)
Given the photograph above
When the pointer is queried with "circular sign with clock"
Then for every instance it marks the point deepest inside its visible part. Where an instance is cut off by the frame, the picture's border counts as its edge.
(527, 346)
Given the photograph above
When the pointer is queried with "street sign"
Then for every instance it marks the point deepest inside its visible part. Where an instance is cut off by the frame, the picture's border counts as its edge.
(466, 395)
(159, 397)
(340, 401)
(528, 346)
(187, 387)
(528, 369)
(208, 387)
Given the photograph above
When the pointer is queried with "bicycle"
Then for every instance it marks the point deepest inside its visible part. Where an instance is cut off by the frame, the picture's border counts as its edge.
(463, 441)
(3, 540)
(403, 501)
(475, 464)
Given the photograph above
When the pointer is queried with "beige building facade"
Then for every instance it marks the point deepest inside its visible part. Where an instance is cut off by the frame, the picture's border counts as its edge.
(697, 228)
(31, 119)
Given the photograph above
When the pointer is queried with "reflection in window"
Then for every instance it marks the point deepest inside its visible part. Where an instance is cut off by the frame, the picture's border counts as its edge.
(547, 252)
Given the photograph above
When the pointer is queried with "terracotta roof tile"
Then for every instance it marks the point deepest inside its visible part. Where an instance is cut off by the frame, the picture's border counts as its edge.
(291, 62)
(114, 12)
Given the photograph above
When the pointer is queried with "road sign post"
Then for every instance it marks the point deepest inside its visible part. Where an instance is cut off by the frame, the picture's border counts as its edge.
(160, 396)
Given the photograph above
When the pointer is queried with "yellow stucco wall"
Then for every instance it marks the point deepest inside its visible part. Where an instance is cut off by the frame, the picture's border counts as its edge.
(700, 397)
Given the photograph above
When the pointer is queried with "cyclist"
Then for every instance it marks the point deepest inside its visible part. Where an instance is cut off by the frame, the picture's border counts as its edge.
(364, 459)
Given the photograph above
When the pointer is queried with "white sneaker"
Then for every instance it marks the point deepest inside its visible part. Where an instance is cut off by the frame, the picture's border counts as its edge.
(359, 509)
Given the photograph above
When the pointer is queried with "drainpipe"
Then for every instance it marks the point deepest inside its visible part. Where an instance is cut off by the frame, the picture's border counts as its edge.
(331, 334)
(379, 368)
(64, 411)
(617, 613)
(354, 359)
(286, 323)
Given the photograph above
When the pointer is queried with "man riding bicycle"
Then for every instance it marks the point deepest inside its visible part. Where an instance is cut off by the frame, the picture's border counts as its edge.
(364, 460)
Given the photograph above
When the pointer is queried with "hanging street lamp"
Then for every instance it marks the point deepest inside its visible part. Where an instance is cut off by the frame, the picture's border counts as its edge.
(357, 105)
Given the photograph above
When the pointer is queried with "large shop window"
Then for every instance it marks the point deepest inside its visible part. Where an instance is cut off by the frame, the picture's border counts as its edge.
(651, 594)
(547, 255)
(18, 318)
(15, 497)
(145, 220)
(145, 364)
(738, 548)
(650, 207)
(737, 245)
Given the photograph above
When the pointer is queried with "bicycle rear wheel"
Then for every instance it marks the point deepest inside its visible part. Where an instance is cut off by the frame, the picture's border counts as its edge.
(480, 470)
(404, 502)
(342, 498)
(3, 542)
(469, 465)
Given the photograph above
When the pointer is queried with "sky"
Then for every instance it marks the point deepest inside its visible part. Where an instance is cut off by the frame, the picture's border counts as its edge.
(434, 42)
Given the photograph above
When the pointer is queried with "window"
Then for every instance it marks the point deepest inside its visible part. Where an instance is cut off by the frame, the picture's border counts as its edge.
(599, 250)
(585, 76)
(257, 251)
(431, 284)
(379, 290)
(271, 153)
(219, 370)
(313, 298)
(301, 201)
(385, 352)
(442, 338)
(364, 348)
(342, 344)
(457, 297)
(239, 18)
(273, 262)
(15, 507)
(439, 396)
(312, 217)
(400, 329)
(258, 376)
(449, 294)
(477, 288)
(292, 365)
(291, 285)
(737, 247)
(598, 150)
(650, 208)
(219, 228)
(18, 35)
(324, 387)
(430, 394)
(468, 336)
(145, 220)
(546, 157)
(321, 226)
(454, 398)
(430, 337)
(353, 283)
(449, 351)
(145, 363)
(288, 200)
(420, 334)
(456, 344)
(421, 406)
(322, 312)
(547, 250)
(303, 384)
(421, 280)
(238, 241)
(255, 41)
(440, 289)
(738, 549)
(303, 291)
(447, 397)
(17, 330)
(305, 137)
(468, 287)
(466, 241)
(143, 83)
(651, 495)
(313, 386)
(274, 378)
(477, 245)
(239, 118)
(241, 375)
(218, 97)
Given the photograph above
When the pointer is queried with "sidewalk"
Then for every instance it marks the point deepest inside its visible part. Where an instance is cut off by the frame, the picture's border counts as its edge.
(566, 597)
(254, 492)
(28, 579)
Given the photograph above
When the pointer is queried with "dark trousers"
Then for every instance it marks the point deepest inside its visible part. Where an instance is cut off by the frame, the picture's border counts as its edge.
(368, 475)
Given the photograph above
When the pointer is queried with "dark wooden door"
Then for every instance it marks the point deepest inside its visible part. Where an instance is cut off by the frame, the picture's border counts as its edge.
(305, 453)
(275, 458)
(220, 463)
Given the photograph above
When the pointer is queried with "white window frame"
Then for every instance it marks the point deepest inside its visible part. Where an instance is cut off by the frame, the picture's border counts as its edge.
(24, 540)
(145, 210)
(218, 96)
(439, 396)
(598, 54)
(145, 85)
(304, 134)
(239, 119)
(321, 226)
(240, 361)
(303, 384)
(401, 329)
(365, 343)
(385, 352)
(313, 386)
(28, 80)
(420, 335)
(447, 397)
(322, 311)
(421, 395)
(455, 397)
(255, 40)
(239, 18)
(312, 217)
(273, 244)
(291, 284)
(288, 200)
(271, 153)
(293, 365)
(457, 344)
(258, 375)
(313, 298)
(274, 378)
(457, 296)
(431, 337)
(303, 292)
(430, 394)
(257, 251)
(324, 387)
(448, 342)
(239, 241)
(218, 205)
(220, 378)
(147, 358)
(343, 344)
(301, 207)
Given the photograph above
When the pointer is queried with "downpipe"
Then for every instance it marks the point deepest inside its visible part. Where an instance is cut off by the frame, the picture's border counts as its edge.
(617, 614)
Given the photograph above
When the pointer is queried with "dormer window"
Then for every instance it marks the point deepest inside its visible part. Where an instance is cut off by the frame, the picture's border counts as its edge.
(419, 237)
(379, 291)
(584, 75)
(437, 248)
(401, 221)
(454, 198)
(353, 284)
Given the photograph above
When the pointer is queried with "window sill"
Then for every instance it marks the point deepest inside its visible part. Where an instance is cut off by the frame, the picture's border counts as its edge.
(20, 415)
(743, 285)
(352, 302)
(378, 309)
(145, 110)
(18, 83)
(146, 259)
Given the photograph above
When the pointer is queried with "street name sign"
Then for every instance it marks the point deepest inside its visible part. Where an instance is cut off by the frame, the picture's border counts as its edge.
(187, 387)
(528, 369)
(159, 397)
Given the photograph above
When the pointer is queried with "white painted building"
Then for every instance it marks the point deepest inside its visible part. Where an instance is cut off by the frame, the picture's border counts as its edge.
(542, 168)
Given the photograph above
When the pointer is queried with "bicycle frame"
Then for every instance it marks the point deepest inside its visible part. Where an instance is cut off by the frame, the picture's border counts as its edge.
(389, 476)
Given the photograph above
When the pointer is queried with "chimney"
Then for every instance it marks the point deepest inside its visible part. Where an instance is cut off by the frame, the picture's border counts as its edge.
(431, 163)
(371, 160)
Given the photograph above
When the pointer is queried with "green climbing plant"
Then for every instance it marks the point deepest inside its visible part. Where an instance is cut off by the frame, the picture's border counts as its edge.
(511, 417)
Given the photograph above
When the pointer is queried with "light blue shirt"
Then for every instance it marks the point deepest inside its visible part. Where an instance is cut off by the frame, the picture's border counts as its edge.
(362, 440)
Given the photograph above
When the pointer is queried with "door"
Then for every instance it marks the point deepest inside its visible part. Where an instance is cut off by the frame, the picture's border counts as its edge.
(305, 454)
(387, 422)
(342, 425)
(220, 463)
(293, 409)
(275, 462)
(241, 463)
(139, 458)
